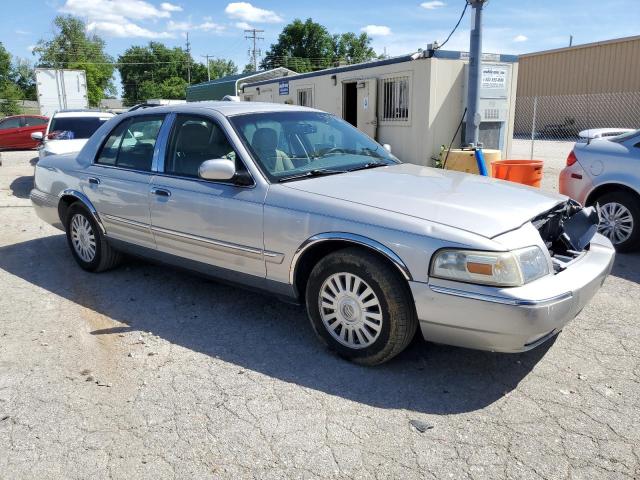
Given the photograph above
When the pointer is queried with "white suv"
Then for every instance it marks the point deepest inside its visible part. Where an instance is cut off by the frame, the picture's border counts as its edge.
(69, 130)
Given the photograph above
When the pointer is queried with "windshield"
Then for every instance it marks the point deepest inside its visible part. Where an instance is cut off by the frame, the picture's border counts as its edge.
(299, 144)
(68, 128)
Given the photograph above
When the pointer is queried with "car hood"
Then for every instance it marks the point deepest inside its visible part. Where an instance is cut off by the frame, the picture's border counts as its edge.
(56, 147)
(482, 205)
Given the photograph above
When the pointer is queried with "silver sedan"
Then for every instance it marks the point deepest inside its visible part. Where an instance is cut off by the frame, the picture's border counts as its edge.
(297, 202)
(606, 171)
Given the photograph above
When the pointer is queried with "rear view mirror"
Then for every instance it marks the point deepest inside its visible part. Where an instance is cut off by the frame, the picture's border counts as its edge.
(217, 169)
(37, 136)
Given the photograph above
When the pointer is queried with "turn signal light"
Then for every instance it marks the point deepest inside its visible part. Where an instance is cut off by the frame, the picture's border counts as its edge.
(571, 159)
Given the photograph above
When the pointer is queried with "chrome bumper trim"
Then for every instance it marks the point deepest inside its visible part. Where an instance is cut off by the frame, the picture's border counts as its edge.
(500, 300)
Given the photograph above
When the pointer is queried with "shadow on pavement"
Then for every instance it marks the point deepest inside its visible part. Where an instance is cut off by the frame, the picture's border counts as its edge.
(262, 334)
(21, 186)
(627, 266)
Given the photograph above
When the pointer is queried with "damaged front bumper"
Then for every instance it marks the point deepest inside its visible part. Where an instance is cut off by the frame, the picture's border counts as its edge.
(511, 319)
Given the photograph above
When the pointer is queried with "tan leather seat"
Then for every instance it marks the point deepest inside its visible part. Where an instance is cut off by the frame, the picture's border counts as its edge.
(264, 143)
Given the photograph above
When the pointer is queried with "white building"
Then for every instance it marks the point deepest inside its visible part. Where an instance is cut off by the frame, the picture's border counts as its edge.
(413, 102)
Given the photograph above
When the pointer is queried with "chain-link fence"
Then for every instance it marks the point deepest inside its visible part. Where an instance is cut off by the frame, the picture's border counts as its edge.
(561, 118)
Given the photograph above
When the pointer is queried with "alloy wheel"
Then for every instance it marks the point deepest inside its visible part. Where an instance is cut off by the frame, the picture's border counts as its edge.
(616, 222)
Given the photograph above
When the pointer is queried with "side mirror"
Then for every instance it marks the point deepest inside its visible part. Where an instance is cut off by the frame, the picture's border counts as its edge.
(37, 136)
(217, 169)
(387, 147)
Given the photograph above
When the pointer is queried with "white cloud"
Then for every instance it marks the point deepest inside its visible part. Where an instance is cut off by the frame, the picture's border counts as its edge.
(248, 13)
(206, 26)
(117, 18)
(243, 26)
(113, 10)
(433, 4)
(22, 32)
(520, 38)
(125, 30)
(170, 7)
(376, 30)
(31, 47)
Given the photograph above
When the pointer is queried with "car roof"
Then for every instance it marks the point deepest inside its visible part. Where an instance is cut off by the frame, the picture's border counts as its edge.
(226, 108)
(82, 113)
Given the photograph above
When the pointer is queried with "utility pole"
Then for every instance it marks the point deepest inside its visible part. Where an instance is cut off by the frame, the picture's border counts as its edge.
(472, 128)
(208, 69)
(188, 60)
(252, 34)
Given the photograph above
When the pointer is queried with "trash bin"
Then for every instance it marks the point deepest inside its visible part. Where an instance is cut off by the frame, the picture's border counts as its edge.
(527, 172)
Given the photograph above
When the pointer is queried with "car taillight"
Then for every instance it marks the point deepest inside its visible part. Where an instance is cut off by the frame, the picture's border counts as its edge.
(571, 159)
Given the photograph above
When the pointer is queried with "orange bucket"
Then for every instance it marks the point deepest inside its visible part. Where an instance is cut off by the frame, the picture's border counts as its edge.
(527, 172)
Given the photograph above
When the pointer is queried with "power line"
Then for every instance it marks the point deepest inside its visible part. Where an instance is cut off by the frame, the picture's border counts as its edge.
(466, 4)
(254, 52)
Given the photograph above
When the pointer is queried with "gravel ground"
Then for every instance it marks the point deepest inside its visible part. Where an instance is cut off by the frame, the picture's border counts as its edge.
(148, 372)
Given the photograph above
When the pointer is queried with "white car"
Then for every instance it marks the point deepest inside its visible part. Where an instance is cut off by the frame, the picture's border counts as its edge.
(69, 130)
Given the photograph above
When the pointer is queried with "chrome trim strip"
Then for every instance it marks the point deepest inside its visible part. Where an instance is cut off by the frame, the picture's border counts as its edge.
(87, 203)
(126, 221)
(351, 238)
(250, 251)
(501, 300)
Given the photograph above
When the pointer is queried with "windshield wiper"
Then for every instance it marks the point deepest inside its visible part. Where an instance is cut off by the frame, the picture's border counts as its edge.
(311, 173)
(369, 165)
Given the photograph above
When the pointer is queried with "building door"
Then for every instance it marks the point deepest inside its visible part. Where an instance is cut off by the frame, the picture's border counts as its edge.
(350, 103)
(367, 112)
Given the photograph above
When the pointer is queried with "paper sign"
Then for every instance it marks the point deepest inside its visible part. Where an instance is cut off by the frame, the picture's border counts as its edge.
(494, 77)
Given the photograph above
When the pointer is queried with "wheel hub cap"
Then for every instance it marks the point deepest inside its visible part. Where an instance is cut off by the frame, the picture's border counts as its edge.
(616, 222)
(350, 310)
(82, 238)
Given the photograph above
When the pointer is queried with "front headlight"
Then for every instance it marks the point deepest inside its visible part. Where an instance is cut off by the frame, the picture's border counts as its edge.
(504, 269)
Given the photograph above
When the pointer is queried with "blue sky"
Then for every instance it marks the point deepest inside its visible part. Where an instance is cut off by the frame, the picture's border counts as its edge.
(401, 26)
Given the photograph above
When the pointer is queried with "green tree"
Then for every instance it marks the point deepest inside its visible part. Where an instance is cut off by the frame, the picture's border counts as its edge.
(10, 95)
(219, 67)
(72, 47)
(156, 71)
(351, 48)
(248, 68)
(307, 46)
(23, 76)
(5, 65)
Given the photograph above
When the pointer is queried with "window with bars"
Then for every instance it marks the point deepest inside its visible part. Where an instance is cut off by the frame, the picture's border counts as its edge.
(305, 97)
(395, 99)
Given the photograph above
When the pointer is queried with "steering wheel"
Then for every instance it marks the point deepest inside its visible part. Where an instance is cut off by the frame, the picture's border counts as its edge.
(333, 150)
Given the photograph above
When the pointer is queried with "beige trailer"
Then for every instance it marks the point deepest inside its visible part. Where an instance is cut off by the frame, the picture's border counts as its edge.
(414, 103)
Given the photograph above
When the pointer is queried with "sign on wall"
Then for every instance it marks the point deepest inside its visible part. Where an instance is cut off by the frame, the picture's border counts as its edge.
(283, 87)
(494, 77)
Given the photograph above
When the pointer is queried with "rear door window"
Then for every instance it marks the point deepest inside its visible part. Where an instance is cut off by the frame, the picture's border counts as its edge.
(131, 144)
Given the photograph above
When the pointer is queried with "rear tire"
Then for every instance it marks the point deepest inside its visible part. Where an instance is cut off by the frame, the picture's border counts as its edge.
(360, 307)
(88, 245)
(620, 219)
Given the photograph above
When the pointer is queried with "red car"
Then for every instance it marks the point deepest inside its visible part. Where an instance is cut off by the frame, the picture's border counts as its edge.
(15, 131)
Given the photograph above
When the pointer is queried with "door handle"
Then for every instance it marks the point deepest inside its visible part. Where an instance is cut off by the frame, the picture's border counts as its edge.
(94, 180)
(161, 192)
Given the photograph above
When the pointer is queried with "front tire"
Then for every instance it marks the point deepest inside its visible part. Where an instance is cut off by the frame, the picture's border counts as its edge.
(86, 241)
(620, 220)
(360, 307)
